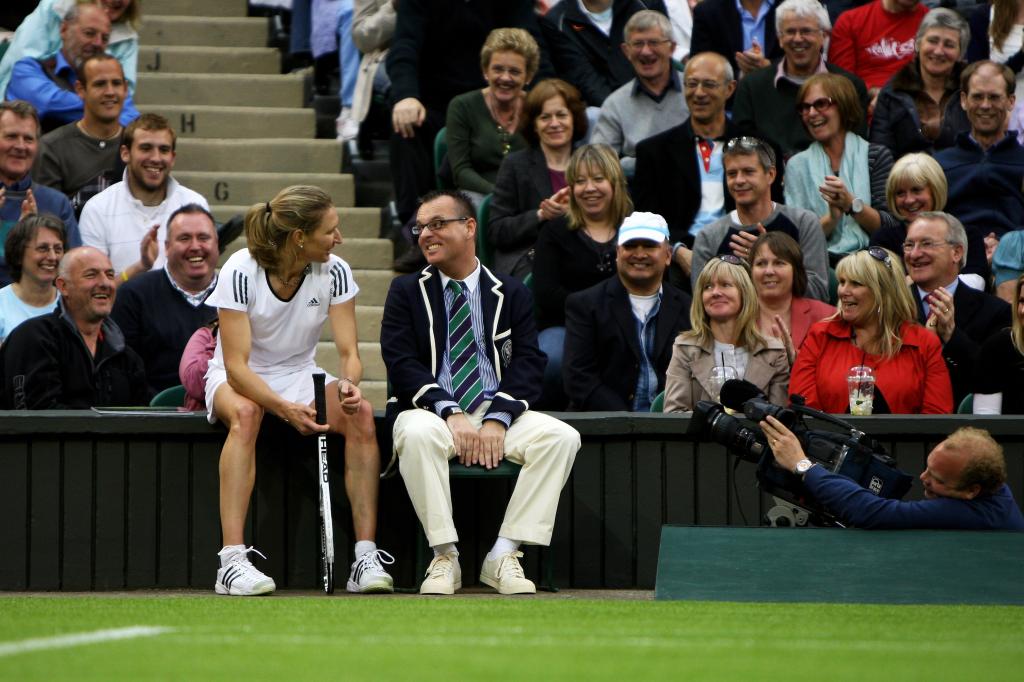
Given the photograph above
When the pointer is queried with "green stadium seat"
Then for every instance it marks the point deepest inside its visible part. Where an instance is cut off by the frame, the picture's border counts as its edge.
(484, 250)
(966, 405)
(505, 469)
(169, 397)
(440, 151)
(659, 403)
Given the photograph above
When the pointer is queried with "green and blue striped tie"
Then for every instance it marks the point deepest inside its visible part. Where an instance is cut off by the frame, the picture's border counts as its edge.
(467, 388)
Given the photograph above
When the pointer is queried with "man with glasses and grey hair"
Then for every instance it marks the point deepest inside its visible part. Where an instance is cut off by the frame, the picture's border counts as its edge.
(750, 170)
(934, 252)
(652, 101)
(766, 98)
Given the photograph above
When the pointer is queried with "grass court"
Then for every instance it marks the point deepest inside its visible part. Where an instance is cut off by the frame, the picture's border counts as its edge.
(568, 636)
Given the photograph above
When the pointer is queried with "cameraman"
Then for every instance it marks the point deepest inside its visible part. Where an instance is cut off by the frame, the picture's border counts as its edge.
(964, 483)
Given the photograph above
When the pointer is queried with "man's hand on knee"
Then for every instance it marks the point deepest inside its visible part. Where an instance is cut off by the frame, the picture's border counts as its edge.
(466, 438)
(492, 443)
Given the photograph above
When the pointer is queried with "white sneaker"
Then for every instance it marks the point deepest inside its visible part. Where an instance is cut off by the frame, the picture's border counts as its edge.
(444, 575)
(368, 575)
(240, 578)
(346, 126)
(505, 574)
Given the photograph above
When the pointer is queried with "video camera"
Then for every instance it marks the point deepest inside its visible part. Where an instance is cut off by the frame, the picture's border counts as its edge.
(850, 453)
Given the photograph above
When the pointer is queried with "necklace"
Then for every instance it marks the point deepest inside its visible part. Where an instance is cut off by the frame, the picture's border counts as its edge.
(101, 142)
(505, 121)
(293, 280)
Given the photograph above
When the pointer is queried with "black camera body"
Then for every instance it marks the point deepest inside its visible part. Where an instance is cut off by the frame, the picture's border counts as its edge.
(850, 452)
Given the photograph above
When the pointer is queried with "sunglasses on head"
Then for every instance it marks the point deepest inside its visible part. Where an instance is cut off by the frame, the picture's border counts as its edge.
(879, 254)
(732, 259)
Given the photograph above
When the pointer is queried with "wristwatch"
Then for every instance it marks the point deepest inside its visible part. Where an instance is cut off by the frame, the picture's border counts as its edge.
(450, 410)
(802, 466)
(855, 207)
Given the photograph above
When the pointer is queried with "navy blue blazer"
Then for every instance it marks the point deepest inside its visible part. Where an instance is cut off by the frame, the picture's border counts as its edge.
(602, 356)
(414, 332)
(978, 316)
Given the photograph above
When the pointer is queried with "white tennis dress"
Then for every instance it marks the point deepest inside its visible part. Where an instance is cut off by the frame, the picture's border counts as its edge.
(284, 333)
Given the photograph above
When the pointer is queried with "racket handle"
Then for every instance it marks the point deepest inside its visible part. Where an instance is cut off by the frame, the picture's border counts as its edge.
(319, 398)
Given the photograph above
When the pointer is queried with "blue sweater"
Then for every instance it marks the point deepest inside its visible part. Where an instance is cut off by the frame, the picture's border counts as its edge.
(985, 185)
(47, 201)
(859, 507)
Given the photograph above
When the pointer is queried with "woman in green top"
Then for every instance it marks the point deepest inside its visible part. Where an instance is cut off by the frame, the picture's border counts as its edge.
(482, 124)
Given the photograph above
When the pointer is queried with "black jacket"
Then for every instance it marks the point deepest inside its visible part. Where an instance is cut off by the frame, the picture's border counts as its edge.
(667, 180)
(896, 123)
(978, 316)
(586, 57)
(523, 182)
(717, 28)
(47, 366)
(602, 352)
(435, 52)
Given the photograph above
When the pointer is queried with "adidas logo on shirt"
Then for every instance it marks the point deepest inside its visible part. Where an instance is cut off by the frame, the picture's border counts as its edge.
(313, 303)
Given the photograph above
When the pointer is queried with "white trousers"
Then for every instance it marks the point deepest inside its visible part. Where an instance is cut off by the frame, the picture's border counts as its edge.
(545, 447)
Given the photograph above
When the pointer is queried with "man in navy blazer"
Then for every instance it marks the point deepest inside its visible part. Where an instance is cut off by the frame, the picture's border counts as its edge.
(718, 27)
(619, 333)
(934, 252)
(480, 412)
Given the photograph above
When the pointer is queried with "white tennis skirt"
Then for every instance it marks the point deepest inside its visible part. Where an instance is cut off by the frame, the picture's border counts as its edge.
(294, 385)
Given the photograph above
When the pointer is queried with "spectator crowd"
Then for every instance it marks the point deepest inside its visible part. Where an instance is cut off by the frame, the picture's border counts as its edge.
(694, 191)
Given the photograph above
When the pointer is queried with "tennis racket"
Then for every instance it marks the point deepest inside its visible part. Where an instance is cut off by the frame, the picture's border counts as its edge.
(326, 519)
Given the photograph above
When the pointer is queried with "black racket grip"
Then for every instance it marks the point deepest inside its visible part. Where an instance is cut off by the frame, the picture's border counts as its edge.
(319, 399)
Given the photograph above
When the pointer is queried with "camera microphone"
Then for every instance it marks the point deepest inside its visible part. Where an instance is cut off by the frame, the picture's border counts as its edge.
(735, 392)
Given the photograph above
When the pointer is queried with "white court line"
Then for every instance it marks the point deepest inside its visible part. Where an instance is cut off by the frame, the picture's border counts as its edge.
(79, 639)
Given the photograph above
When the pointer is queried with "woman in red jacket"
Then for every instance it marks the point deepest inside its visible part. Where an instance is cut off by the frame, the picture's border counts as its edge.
(876, 326)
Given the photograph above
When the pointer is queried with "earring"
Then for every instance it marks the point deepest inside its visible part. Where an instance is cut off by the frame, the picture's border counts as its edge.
(301, 245)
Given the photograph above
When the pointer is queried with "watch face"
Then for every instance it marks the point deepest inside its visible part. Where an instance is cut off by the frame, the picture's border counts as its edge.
(803, 465)
(857, 206)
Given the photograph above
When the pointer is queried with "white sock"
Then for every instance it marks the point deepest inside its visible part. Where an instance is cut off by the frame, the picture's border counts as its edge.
(228, 553)
(446, 548)
(502, 546)
(364, 546)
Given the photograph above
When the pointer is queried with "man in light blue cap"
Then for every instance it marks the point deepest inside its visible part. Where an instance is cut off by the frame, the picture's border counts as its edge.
(619, 333)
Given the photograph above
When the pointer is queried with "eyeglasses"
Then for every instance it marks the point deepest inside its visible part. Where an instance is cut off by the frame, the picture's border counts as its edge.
(710, 86)
(924, 245)
(820, 104)
(57, 250)
(879, 254)
(436, 225)
(637, 45)
(802, 32)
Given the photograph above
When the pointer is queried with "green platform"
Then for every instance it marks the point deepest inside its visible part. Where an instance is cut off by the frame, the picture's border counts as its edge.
(837, 565)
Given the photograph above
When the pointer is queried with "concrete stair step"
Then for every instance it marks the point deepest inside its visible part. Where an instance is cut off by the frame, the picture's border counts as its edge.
(369, 353)
(195, 59)
(360, 254)
(197, 29)
(223, 187)
(376, 392)
(219, 8)
(373, 287)
(368, 320)
(204, 121)
(234, 90)
(356, 222)
(267, 155)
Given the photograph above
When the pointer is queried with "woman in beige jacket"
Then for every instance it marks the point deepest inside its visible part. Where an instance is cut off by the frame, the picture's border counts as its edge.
(724, 331)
